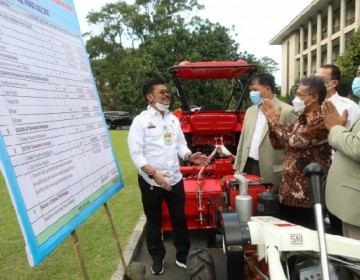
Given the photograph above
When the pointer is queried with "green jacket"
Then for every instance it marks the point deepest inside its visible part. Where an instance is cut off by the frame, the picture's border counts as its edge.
(342, 193)
(270, 160)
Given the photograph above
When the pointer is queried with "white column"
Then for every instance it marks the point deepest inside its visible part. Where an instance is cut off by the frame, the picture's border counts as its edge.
(301, 66)
(318, 39)
(309, 47)
(329, 30)
(342, 26)
(357, 12)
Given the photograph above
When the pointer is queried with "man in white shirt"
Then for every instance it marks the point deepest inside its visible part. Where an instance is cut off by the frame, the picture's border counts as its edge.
(156, 142)
(332, 75)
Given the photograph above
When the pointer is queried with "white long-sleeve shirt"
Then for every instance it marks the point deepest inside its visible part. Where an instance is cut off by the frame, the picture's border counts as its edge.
(147, 144)
(341, 103)
(256, 138)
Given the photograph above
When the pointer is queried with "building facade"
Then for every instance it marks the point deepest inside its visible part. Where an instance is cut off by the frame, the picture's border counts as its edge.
(316, 36)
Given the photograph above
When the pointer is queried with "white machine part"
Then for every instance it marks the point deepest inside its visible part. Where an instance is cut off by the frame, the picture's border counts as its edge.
(274, 236)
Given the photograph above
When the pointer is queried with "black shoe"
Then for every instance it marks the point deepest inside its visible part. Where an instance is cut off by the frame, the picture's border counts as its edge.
(181, 264)
(157, 267)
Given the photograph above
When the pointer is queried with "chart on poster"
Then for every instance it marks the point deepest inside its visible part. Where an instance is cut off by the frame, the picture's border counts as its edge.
(55, 150)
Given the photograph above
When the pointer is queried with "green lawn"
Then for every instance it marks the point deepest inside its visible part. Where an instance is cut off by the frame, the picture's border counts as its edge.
(95, 237)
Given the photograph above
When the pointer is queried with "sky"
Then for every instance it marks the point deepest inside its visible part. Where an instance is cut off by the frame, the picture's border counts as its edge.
(256, 21)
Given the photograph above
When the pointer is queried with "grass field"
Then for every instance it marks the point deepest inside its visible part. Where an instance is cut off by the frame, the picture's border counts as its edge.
(95, 237)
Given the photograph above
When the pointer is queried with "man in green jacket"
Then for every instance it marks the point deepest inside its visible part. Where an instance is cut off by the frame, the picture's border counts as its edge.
(255, 154)
(342, 193)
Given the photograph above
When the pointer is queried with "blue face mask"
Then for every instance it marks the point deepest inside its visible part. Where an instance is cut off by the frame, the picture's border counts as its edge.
(255, 97)
(356, 86)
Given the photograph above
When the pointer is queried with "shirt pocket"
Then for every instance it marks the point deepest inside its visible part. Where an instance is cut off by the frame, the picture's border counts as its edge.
(351, 182)
(153, 132)
(278, 168)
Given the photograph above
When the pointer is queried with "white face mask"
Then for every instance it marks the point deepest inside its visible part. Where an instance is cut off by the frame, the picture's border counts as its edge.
(161, 107)
(299, 105)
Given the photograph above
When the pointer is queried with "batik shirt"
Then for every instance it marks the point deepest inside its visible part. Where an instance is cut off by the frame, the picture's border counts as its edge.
(304, 142)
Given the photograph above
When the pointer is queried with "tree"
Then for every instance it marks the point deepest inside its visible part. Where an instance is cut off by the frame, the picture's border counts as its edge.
(118, 55)
(268, 65)
(134, 23)
(205, 42)
(349, 62)
(142, 40)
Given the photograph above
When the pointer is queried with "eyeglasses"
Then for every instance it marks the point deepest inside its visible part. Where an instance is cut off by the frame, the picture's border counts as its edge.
(164, 91)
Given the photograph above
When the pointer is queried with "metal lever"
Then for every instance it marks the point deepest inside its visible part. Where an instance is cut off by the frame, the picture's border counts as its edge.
(314, 173)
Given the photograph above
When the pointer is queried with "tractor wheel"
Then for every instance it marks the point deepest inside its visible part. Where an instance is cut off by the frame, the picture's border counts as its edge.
(200, 265)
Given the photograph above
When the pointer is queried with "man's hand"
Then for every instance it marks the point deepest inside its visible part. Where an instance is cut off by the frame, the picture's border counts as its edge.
(331, 115)
(270, 111)
(199, 159)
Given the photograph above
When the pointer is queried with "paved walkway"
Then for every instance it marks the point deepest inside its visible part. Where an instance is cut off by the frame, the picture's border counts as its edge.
(132, 248)
(136, 251)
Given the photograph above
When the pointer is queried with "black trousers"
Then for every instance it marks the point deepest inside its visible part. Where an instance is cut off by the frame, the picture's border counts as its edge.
(252, 167)
(335, 224)
(152, 202)
(297, 215)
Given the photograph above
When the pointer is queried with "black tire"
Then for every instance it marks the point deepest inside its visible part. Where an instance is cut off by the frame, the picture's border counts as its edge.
(200, 265)
(108, 124)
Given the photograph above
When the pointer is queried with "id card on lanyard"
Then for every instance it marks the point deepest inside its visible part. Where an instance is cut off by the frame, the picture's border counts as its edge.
(167, 137)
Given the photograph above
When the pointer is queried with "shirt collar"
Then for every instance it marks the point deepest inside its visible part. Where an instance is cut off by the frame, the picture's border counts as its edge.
(306, 118)
(334, 97)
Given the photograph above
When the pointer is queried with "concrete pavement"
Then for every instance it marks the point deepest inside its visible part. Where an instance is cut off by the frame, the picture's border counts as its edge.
(136, 250)
(132, 248)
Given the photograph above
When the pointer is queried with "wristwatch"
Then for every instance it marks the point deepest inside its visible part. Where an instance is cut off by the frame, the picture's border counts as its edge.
(151, 175)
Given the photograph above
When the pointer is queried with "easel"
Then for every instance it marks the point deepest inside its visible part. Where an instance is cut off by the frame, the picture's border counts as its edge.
(76, 246)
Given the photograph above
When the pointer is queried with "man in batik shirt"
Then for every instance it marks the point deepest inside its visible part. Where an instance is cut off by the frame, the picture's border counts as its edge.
(305, 142)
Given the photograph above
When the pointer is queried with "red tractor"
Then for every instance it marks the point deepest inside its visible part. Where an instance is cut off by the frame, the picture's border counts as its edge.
(239, 208)
(211, 191)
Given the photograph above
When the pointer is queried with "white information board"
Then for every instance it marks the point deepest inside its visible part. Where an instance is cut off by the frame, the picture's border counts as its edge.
(55, 150)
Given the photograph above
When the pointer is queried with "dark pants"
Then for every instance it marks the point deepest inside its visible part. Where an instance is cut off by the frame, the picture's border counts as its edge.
(152, 202)
(297, 215)
(335, 225)
(252, 167)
